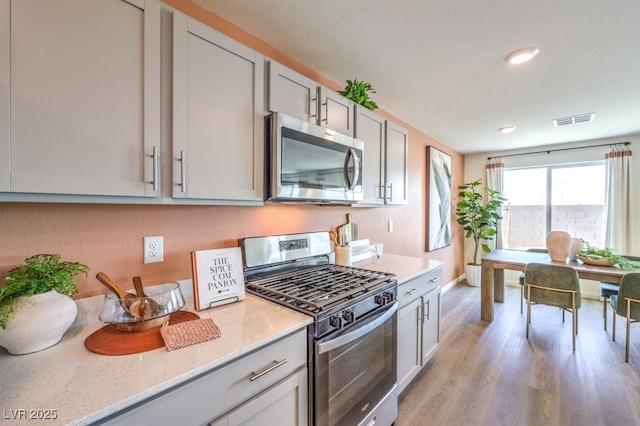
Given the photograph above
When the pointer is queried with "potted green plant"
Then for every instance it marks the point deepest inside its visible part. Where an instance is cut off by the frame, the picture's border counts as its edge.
(35, 307)
(358, 92)
(605, 257)
(479, 217)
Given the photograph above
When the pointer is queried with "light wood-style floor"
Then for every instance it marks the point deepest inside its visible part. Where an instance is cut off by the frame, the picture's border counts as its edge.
(490, 374)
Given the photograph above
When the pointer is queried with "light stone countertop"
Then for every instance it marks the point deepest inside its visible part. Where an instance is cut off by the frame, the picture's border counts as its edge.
(405, 267)
(83, 387)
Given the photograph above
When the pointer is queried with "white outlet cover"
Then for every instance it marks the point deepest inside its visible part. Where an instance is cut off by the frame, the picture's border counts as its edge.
(153, 249)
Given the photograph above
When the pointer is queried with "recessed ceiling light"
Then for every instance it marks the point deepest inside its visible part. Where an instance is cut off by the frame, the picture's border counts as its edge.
(507, 129)
(521, 56)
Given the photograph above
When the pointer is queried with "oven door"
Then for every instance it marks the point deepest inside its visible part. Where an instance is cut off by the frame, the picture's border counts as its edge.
(311, 163)
(355, 369)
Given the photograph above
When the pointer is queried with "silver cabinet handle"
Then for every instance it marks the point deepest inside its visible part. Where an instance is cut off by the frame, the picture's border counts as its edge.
(433, 280)
(275, 364)
(183, 172)
(154, 155)
(428, 311)
(314, 101)
(413, 291)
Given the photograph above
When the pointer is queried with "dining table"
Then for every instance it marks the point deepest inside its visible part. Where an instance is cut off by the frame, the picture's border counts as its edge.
(497, 261)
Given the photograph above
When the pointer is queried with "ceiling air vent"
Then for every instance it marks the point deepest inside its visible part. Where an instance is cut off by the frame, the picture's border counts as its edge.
(574, 119)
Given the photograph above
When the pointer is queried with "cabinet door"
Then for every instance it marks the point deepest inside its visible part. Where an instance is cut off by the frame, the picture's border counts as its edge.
(430, 324)
(284, 404)
(85, 97)
(370, 128)
(292, 93)
(336, 112)
(396, 175)
(5, 147)
(218, 115)
(409, 322)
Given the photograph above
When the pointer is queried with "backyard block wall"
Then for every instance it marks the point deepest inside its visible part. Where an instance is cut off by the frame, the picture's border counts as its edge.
(525, 225)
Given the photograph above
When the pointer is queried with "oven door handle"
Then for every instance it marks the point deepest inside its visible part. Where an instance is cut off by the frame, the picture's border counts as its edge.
(362, 329)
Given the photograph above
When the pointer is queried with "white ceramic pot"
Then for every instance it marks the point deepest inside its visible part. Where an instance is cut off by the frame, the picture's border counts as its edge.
(558, 245)
(574, 248)
(38, 322)
(474, 274)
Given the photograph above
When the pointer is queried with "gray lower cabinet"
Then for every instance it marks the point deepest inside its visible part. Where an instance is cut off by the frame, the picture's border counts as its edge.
(418, 324)
(284, 404)
(268, 386)
(218, 115)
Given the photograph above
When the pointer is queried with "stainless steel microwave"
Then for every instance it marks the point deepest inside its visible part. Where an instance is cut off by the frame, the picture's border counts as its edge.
(309, 163)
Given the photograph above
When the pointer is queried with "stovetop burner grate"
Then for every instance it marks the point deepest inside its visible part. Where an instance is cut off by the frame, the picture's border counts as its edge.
(318, 288)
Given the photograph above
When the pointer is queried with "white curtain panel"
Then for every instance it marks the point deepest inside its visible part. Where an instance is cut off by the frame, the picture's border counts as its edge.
(618, 206)
(495, 178)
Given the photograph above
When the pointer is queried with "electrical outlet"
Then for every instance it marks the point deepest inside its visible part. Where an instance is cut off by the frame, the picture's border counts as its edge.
(153, 249)
(390, 226)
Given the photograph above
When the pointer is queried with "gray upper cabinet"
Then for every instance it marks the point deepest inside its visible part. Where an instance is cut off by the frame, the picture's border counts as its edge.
(336, 111)
(5, 144)
(396, 160)
(384, 173)
(294, 94)
(85, 97)
(291, 93)
(370, 128)
(218, 123)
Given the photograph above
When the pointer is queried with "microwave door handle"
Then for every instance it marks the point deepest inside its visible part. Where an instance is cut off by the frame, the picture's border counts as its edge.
(351, 184)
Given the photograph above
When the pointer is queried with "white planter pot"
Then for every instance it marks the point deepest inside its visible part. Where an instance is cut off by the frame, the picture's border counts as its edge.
(38, 322)
(474, 274)
(574, 248)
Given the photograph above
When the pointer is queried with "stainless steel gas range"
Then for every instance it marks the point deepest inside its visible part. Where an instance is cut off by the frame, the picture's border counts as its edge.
(352, 340)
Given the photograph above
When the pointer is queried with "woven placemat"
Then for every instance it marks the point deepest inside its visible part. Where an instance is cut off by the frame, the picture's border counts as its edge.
(189, 333)
(108, 340)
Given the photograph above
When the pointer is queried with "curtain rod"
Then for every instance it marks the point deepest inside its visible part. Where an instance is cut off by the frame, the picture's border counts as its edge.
(559, 149)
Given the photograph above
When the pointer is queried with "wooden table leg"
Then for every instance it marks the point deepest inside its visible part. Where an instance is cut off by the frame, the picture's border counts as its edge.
(486, 291)
(498, 285)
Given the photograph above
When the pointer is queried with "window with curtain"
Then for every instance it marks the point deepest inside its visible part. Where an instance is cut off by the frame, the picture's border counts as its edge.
(568, 197)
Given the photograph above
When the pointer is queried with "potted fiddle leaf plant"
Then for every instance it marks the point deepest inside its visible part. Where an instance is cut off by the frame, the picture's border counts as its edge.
(358, 92)
(479, 215)
(35, 306)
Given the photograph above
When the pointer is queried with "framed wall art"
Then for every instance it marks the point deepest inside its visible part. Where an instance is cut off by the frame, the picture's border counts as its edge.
(438, 199)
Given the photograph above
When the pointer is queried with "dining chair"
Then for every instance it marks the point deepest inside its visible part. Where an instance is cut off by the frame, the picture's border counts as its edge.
(553, 285)
(627, 304)
(609, 289)
(521, 280)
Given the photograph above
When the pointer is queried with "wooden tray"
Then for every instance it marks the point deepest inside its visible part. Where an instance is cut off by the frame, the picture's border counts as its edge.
(595, 262)
(108, 340)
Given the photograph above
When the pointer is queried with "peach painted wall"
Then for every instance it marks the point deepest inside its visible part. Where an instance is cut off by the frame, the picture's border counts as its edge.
(108, 237)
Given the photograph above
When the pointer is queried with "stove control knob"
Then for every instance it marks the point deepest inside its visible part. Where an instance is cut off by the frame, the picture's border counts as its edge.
(388, 296)
(335, 322)
(380, 299)
(348, 316)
